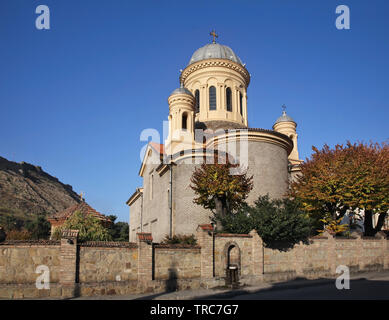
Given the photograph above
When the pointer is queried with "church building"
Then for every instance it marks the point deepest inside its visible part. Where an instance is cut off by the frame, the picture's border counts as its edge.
(208, 112)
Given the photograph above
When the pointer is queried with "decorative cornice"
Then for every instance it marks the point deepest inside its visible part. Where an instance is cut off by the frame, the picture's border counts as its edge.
(215, 63)
(138, 192)
(181, 97)
(253, 134)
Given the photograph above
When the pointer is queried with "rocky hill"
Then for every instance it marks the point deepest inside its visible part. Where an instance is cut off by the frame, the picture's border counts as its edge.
(26, 190)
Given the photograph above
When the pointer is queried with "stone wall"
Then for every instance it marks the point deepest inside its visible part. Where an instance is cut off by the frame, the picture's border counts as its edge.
(176, 261)
(98, 268)
(101, 263)
(323, 255)
(19, 260)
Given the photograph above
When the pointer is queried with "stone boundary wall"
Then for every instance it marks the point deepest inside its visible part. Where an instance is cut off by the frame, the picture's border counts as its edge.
(105, 264)
(99, 268)
(19, 260)
(176, 262)
(323, 255)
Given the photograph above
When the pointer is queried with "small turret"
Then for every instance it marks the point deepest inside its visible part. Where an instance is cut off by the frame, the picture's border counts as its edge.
(286, 125)
(181, 120)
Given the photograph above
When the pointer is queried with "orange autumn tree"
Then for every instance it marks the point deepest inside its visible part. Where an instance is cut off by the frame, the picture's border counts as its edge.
(217, 189)
(346, 177)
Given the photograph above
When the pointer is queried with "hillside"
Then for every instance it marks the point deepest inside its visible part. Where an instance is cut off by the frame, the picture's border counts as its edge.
(26, 191)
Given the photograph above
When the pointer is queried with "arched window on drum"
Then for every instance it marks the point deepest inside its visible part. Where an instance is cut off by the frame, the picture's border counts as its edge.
(212, 98)
(241, 103)
(184, 121)
(229, 99)
(197, 103)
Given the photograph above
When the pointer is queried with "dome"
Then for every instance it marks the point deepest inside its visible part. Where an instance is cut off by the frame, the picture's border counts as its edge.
(182, 90)
(214, 51)
(284, 118)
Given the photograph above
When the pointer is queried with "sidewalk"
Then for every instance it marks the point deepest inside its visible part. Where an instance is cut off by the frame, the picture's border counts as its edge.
(226, 293)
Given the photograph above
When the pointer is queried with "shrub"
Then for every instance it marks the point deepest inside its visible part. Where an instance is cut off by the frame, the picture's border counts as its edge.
(18, 235)
(180, 239)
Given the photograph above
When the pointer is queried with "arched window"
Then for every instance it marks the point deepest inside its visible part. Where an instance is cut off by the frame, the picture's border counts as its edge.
(241, 103)
(212, 98)
(184, 121)
(228, 99)
(197, 103)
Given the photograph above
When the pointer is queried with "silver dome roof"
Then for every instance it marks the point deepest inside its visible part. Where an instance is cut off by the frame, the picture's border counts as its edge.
(284, 118)
(214, 51)
(182, 90)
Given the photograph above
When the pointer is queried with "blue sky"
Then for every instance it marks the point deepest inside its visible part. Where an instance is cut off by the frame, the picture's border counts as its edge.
(74, 99)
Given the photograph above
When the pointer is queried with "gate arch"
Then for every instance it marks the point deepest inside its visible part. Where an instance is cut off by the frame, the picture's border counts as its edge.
(232, 256)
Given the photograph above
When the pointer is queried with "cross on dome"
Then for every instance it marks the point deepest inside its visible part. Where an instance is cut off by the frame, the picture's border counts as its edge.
(214, 35)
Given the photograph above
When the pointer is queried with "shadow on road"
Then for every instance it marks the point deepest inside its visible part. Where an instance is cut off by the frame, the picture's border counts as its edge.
(306, 289)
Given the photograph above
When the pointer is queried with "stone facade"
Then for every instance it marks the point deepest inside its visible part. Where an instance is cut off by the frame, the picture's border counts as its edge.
(99, 268)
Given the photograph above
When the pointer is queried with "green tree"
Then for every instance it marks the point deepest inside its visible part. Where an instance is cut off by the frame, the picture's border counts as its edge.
(279, 222)
(39, 228)
(90, 227)
(217, 189)
(240, 222)
(119, 231)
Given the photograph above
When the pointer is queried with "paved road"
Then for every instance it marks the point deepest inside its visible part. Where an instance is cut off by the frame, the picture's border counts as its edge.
(364, 286)
(359, 289)
(373, 285)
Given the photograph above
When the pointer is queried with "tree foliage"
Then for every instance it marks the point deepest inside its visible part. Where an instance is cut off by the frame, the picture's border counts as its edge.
(346, 177)
(35, 227)
(219, 190)
(39, 228)
(90, 228)
(333, 226)
(119, 231)
(279, 222)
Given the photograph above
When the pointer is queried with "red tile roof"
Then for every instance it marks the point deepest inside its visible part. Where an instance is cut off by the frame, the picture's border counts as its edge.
(206, 227)
(143, 236)
(82, 207)
(158, 147)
